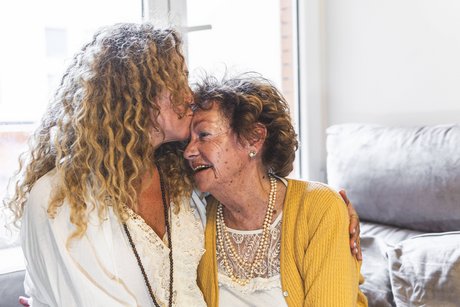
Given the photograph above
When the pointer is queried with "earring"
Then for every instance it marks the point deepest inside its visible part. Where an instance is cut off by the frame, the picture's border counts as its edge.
(252, 154)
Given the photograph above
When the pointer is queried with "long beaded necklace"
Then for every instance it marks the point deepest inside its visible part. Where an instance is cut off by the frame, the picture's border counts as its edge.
(168, 232)
(226, 246)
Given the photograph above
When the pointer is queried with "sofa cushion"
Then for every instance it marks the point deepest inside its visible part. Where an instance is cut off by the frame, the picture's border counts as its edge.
(375, 241)
(425, 270)
(12, 272)
(407, 177)
(11, 287)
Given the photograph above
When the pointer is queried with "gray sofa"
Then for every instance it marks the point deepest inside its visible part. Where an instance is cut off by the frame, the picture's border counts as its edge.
(405, 185)
(12, 268)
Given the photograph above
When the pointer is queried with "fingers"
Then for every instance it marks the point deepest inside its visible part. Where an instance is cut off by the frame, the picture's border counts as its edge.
(354, 236)
(344, 196)
(24, 301)
(354, 218)
(360, 252)
(353, 228)
(354, 240)
(356, 249)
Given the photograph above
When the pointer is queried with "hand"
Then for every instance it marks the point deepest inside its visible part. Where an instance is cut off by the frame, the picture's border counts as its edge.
(24, 301)
(354, 227)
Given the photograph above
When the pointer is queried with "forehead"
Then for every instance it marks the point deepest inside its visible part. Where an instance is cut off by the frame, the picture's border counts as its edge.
(213, 114)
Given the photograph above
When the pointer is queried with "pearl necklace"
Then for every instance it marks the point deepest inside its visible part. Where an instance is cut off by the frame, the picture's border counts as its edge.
(226, 246)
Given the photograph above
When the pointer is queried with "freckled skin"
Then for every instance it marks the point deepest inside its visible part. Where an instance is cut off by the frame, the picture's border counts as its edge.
(213, 143)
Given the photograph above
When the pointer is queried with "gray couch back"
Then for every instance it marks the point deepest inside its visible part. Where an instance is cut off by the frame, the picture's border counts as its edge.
(406, 177)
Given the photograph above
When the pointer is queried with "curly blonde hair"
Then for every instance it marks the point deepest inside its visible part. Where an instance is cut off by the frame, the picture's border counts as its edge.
(246, 100)
(95, 132)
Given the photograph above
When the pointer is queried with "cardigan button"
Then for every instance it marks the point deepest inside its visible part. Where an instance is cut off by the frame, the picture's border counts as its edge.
(285, 293)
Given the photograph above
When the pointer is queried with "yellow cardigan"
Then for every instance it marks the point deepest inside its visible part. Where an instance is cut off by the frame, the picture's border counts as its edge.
(317, 268)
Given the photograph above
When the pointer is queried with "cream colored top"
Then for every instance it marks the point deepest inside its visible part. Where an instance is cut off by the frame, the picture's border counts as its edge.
(100, 269)
(264, 289)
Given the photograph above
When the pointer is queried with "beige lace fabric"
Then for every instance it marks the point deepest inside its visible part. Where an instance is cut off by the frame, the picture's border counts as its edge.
(245, 243)
(187, 240)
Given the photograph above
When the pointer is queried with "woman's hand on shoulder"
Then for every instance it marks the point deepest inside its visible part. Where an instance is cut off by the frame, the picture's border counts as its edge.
(353, 228)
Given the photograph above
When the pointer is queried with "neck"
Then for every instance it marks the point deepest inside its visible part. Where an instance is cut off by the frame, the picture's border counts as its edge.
(245, 204)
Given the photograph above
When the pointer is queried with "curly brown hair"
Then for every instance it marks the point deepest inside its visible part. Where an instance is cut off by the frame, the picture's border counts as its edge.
(95, 132)
(246, 100)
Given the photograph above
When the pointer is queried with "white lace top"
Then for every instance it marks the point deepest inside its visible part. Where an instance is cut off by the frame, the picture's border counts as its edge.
(100, 269)
(187, 241)
(265, 288)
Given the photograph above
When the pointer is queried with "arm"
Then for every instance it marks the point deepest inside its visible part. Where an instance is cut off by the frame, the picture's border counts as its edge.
(331, 273)
(81, 274)
(48, 277)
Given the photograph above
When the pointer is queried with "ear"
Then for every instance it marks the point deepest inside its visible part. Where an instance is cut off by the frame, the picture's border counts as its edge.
(257, 137)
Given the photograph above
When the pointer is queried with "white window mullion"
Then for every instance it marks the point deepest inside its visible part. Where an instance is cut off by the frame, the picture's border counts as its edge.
(312, 107)
(172, 12)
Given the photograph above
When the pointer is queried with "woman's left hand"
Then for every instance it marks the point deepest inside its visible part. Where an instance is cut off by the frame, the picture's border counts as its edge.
(354, 227)
(24, 301)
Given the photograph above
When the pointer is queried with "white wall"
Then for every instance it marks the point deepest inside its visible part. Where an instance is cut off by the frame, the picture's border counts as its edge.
(242, 38)
(393, 62)
(390, 62)
(28, 75)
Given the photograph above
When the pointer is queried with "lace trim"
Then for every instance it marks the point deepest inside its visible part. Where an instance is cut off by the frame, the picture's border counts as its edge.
(256, 284)
(188, 244)
(148, 233)
(245, 243)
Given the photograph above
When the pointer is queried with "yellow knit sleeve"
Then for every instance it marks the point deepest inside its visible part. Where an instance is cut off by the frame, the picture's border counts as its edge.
(331, 273)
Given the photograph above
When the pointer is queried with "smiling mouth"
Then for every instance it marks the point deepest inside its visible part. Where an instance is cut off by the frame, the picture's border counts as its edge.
(200, 168)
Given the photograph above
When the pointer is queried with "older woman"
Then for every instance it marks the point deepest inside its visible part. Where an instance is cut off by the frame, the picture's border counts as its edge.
(270, 241)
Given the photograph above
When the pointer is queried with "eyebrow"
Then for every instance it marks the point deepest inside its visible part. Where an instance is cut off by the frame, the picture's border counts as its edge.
(215, 122)
(199, 122)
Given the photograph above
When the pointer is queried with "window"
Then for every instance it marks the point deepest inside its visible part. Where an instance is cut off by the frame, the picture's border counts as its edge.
(220, 35)
(38, 39)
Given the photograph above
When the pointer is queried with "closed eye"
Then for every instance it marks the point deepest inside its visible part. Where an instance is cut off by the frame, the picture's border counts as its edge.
(202, 135)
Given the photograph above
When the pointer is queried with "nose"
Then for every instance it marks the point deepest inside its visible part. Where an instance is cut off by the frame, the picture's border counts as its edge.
(191, 151)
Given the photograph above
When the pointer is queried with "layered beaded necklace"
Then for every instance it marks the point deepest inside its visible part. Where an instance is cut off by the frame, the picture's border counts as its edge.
(168, 233)
(226, 246)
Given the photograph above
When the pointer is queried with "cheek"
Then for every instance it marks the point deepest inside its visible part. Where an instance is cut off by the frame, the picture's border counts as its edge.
(228, 161)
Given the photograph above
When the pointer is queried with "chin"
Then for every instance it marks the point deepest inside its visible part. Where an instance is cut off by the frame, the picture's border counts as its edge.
(201, 185)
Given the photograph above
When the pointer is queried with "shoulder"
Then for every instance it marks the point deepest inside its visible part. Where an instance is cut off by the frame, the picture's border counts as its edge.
(36, 226)
(40, 194)
(312, 190)
(314, 199)
(45, 184)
